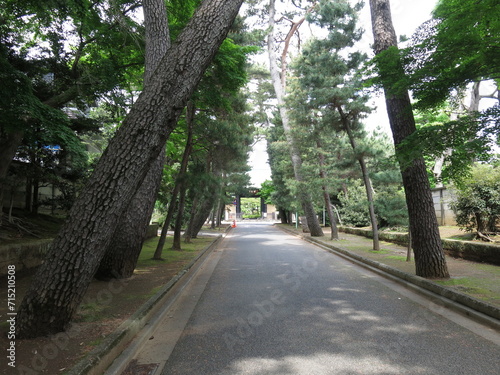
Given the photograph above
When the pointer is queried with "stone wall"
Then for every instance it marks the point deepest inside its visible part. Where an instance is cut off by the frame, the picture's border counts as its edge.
(30, 255)
(442, 198)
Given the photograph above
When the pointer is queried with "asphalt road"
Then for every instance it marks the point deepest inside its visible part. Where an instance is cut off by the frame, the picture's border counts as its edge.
(275, 304)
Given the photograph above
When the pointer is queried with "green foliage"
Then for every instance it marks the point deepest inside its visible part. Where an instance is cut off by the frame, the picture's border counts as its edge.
(463, 141)
(459, 45)
(477, 203)
(391, 208)
(250, 207)
(354, 206)
(281, 167)
(387, 72)
(267, 188)
(390, 205)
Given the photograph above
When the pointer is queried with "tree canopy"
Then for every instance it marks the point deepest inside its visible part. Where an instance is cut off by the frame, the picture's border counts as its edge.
(459, 45)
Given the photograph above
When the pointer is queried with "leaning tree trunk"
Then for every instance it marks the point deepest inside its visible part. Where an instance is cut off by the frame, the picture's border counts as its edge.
(9, 142)
(76, 252)
(366, 179)
(179, 181)
(189, 227)
(123, 252)
(278, 84)
(334, 235)
(176, 241)
(201, 216)
(429, 256)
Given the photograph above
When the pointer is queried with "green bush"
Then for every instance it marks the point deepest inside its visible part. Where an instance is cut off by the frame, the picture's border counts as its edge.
(391, 210)
(353, 208)
(477, 202)
(390, 207)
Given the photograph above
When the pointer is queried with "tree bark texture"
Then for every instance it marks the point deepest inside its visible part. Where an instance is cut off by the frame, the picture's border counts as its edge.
(79, 247)
(121, 256)
(201, 216)
(366, 178)
(123, 252)
(278, 84)
(179, 181)
(9, 142)
(176, 242)
(430, 261)
(326, 194)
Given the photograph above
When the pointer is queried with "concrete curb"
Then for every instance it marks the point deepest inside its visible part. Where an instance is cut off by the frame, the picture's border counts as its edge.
(470, 306)
(100, 358)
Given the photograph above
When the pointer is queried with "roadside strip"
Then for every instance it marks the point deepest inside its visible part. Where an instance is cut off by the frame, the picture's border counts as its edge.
(478, 310)
(99, 359)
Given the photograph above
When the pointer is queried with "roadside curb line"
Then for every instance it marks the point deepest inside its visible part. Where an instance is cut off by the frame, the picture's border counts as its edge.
(470, 306)
(100, 358)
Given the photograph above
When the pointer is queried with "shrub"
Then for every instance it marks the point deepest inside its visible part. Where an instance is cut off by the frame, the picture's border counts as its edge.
(477, 203)
(353, 208)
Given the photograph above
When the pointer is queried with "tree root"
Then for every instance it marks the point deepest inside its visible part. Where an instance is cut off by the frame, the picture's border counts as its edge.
(485, 236)
(15, 224)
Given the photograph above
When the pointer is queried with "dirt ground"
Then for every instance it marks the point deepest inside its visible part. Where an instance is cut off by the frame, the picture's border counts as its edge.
(106, 305)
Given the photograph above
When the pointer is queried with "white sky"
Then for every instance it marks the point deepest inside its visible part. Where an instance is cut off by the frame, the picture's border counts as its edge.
(407, 15)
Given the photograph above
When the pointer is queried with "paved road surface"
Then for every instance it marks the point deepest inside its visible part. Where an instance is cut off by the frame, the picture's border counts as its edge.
(278, 305)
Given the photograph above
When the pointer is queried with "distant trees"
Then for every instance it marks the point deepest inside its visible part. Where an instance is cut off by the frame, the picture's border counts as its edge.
(329, 91)
(278, 78)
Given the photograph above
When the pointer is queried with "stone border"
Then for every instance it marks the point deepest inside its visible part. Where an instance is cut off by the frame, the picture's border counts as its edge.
(24, 256)
(472, 307)
(100, 358)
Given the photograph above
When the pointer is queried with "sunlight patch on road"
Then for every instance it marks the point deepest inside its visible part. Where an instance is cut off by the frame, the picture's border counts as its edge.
(319, 363)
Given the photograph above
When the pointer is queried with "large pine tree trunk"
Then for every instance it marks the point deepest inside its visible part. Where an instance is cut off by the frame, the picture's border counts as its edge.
(278, 84)
(79, 247)
(201, 216)
(429, 256)
(123, 252)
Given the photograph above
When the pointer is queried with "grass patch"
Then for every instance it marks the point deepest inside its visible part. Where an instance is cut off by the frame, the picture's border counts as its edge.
(488, 268)
(463, 237)
(396, 257)
(471, 285)
(381, 251)
(187, 253)
(95, 342)
(90, 312)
